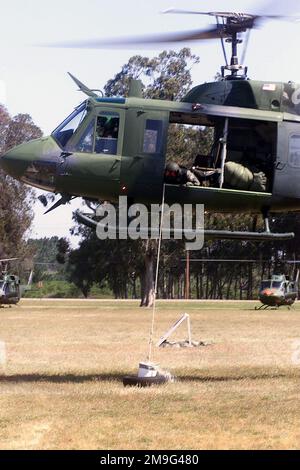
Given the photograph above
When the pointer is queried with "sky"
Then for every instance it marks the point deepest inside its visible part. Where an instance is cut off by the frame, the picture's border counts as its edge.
(34, 79)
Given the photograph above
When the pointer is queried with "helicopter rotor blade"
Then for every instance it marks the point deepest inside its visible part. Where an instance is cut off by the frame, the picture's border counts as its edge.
(221, 14)
(215, 32)
(188, 12)
(232, 23)
(232, 15)
(7, 259)
(272, 9)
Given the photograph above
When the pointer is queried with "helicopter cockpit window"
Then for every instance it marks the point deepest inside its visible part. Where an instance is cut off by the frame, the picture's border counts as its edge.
(86, 141)
(107, 131)
(66, 129)
(152, 136)
(5, 288)
(276, 284)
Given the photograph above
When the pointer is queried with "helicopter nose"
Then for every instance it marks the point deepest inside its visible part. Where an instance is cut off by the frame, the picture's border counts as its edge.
(33, 162)
(268, 292)
(15, 161)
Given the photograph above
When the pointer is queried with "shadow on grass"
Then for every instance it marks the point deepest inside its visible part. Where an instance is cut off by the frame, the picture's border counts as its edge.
(62, 378)
(118, 377)
(238, 378)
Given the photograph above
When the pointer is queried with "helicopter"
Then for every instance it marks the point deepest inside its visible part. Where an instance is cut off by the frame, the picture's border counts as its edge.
(11, 289)
(278, 291)
(115, 146)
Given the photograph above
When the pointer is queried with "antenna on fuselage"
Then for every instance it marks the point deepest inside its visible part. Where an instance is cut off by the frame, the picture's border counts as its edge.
(82, 87)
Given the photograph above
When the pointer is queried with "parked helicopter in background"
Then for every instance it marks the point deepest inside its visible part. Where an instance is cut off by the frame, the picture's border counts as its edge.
(278, 291)
(11, 289)
(111, 147)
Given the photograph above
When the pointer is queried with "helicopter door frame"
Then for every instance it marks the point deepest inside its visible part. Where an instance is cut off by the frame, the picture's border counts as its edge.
(92, 116)
(103, 168)
(223, 142)
(225, 147)
(144, 154)
(287, 167)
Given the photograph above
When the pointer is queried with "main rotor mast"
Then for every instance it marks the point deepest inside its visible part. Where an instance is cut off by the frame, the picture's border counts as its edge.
(229, 26)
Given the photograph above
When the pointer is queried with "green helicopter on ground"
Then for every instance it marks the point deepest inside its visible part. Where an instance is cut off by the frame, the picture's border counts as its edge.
(11, 289)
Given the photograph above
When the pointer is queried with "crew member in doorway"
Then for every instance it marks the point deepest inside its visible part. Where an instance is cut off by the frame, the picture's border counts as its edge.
(175, 174)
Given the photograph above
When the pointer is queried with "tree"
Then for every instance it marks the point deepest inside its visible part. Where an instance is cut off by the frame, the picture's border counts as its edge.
(81, 267)
(5, 120)
(63, 247)
(147, 275)
(16, 198)
(45, 253)
(166, 76)
(21, 128)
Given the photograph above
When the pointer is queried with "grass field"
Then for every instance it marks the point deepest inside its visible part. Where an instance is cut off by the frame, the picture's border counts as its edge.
(61, 386)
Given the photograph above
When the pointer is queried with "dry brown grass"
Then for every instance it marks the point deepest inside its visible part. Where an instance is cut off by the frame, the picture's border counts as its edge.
(62, 384)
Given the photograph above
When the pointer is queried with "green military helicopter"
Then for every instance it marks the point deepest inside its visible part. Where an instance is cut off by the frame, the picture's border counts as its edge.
(279, 290)
(109, 147)
(11, 289)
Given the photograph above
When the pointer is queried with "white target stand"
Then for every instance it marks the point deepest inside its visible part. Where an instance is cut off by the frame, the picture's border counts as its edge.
(184, 317)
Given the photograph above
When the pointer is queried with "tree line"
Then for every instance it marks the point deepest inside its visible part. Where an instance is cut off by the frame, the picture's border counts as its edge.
(118, 266)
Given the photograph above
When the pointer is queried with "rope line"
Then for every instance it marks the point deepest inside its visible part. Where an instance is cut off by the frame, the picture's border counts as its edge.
(150, 354)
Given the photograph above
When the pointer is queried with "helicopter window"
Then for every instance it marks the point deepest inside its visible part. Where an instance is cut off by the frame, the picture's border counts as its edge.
(152, 136)
(294, 150)
(86, 141)
(66, 129)
(265, 284)
(276, 284)
(10, 288)
(107, 131)
(6, 288)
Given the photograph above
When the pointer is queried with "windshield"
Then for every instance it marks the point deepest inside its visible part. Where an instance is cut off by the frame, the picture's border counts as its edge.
(276, 284)
(265, 284)
(1, 284)
(66, 129)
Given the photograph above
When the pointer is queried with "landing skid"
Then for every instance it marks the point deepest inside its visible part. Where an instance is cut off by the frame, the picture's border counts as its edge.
(265, 307)
(273, 307)
(89, 221)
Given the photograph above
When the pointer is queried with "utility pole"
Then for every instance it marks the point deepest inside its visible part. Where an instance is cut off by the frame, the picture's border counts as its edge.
(187, 276)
